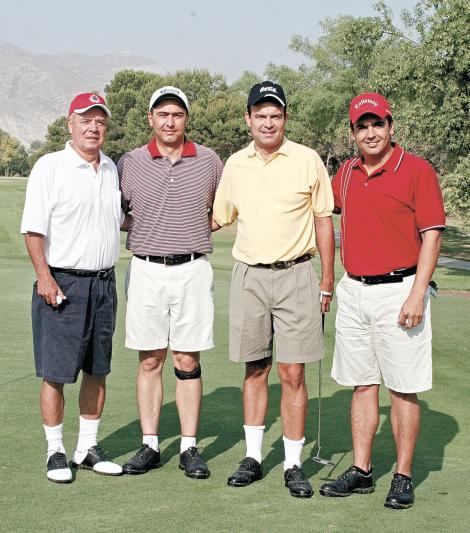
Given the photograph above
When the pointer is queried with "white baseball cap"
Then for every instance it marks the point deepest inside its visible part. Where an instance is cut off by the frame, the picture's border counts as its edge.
(168, 92)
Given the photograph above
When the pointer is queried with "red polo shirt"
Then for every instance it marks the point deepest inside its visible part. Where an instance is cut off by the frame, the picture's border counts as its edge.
(384, 214)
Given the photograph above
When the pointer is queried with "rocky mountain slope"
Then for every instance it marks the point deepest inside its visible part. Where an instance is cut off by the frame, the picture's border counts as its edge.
(35, 89)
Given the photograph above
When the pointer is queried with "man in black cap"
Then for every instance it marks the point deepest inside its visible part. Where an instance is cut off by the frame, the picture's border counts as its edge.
(281, 195)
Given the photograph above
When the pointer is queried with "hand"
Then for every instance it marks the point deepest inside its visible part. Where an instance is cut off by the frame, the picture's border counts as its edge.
(411, 312)
(326, 295)
(49, 290)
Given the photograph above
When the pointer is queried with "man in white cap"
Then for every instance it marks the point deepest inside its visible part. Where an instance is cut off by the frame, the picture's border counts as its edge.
(71, 221)
(169, 185)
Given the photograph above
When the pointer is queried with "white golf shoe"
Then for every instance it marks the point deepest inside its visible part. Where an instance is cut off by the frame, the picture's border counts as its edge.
(94, 459)
(58, 470)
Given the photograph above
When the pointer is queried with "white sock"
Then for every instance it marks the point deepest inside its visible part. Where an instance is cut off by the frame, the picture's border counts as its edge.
(187, 442)
(87, 434)
(54, 439)
(292, 450)
(151, 440)
(254, 441)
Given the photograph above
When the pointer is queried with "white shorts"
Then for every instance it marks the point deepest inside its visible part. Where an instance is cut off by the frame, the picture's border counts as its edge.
(170, 306)
(371, 345)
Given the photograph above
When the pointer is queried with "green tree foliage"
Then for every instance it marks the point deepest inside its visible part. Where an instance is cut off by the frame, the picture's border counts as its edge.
(13, 156)
(456, 187)
(56, 137)
(128, 96)
(424, 72)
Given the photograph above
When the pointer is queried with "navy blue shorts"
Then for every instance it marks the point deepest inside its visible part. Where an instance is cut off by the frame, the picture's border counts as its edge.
(78, 334)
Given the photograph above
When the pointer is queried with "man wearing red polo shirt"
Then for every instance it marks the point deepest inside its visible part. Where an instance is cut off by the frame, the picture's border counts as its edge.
(392, 216)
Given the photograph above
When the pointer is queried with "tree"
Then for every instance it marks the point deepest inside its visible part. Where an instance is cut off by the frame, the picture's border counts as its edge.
(56, 137)
(13, 156)
(216, 113)
(456, 188)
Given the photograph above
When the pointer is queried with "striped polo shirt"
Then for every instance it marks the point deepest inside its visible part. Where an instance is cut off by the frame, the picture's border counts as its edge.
(170, 201)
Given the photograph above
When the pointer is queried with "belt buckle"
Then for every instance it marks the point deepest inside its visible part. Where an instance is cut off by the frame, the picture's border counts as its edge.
(170, 260)
(278, 265)
(102, 274)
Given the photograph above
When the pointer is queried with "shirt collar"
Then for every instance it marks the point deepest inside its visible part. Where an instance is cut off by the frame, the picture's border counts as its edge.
(284, 149)
(77, 160)
(189, 149)
(391, 165)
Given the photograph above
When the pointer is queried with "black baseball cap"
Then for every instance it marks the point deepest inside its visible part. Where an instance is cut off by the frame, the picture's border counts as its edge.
(266, 90)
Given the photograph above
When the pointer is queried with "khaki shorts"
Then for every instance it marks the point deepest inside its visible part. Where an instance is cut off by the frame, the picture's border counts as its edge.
(371, 345)
(284, 304)
(170, 306)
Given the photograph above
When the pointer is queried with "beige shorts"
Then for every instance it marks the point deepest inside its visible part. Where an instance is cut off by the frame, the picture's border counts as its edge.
(284, 304)
(170, 306)
(370, 344)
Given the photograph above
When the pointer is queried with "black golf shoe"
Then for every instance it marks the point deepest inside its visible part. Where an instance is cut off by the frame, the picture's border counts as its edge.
(401, 494)
(351, 481)
(248, 472)
(193, 465)
(295, 481)
(144, 460)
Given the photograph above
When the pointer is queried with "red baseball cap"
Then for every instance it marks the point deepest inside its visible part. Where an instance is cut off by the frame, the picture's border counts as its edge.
(373, 103)
(85, 101)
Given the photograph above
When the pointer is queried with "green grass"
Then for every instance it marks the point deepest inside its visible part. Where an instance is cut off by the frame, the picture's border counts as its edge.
(164, 500)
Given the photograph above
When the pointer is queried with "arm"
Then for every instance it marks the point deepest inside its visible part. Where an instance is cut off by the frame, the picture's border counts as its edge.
(326, 247)
(47, 286)
(127, 222)
(411, 312)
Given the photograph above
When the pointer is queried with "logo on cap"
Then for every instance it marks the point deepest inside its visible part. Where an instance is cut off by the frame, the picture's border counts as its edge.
(366, 101)
(270, 89)
(94, 98)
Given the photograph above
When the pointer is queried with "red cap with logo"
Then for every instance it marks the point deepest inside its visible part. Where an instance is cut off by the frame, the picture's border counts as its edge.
(85, 101)
(373, 103)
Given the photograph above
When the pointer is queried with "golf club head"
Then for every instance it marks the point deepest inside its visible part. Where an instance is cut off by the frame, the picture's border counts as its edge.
(321, 461)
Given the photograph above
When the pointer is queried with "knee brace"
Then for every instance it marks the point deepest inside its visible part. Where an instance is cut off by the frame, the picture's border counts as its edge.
(194, 374)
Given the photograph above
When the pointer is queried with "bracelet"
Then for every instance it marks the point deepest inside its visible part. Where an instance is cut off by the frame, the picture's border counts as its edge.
(325, 293)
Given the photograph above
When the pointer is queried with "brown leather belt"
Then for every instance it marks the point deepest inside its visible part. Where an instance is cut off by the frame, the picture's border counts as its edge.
(281, 265)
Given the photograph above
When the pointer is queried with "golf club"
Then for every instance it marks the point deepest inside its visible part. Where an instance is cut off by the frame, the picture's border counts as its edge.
(317, 458)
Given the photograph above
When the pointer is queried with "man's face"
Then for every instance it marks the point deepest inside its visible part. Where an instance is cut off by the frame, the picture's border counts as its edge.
(267, 123)
(373, 136)
(168, 120)
(88, 130)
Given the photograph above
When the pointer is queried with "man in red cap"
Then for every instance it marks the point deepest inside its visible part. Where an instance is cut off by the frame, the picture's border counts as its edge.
(71, 221)
(392, 216)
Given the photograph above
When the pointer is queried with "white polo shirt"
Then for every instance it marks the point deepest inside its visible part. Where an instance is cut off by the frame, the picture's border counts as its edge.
(77, 209)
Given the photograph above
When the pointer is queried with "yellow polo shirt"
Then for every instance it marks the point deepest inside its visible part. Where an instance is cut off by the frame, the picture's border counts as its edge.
(274, 202)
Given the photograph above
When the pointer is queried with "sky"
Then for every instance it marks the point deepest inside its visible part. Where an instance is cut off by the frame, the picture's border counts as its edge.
(227, 37)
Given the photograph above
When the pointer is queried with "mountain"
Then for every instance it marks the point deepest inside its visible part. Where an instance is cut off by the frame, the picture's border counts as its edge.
(36, 89)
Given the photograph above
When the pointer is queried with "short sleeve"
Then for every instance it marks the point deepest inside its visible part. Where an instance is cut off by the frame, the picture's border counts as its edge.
(429, 205)
(39, 199)
(336, 186)
(322, 195)
(224, 211)
(218, 168)
(124, 182)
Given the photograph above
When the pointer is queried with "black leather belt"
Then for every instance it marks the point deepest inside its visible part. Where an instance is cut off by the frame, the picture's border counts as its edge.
(170, 260)
(392, 277)
(281, 265)
(100, 274)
